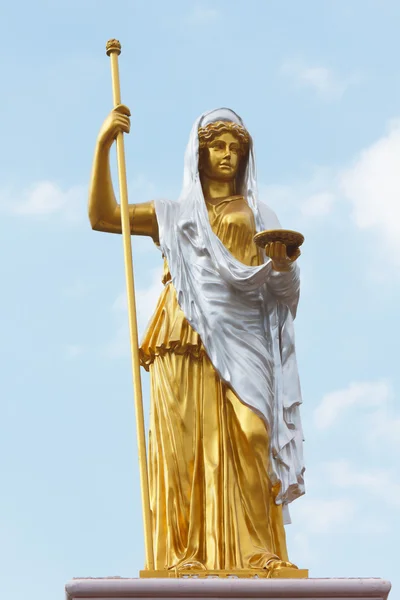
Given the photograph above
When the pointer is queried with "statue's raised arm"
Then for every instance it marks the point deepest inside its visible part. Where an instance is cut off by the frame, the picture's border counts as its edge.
(104, 210)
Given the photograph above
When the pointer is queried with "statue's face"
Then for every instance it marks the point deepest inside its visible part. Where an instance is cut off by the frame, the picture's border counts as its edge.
(220, 159)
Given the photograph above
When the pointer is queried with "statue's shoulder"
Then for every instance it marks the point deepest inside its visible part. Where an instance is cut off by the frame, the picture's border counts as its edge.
(164, 206)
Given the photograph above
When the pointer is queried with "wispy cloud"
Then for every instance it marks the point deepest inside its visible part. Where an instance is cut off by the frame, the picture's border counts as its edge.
(378, 482)
(368, 189)
(378, 418)
(372, 186)
(45, 199)
(324, 81)
(336, 404)
(308, 200)
(318, 205)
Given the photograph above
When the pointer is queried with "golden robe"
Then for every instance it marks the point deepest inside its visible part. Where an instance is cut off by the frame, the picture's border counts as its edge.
(212, 503)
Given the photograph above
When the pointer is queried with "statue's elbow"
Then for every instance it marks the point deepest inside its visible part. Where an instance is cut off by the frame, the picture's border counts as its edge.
(94, 215)
(95, 221)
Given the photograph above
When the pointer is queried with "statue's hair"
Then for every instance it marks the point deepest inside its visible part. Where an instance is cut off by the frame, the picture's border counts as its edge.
(208, 133)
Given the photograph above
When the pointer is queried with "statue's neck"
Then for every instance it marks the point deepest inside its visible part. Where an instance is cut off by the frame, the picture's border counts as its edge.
(213, 188)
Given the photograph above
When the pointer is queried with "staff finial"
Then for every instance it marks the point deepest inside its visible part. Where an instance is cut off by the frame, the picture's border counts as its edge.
(113, 46)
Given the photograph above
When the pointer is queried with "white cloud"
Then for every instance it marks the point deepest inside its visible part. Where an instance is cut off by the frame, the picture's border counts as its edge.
(376, 412)
(318, 205)
(372, 186)
(146, 301)
(369, 187)
(361, 394)
(322, 80)
(382, 483)
(44, 199)
(303, 201)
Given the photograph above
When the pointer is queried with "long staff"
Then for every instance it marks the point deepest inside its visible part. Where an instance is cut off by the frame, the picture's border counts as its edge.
(113, 49)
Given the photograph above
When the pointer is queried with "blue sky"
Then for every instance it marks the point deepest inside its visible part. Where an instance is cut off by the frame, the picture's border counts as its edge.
(317, 83)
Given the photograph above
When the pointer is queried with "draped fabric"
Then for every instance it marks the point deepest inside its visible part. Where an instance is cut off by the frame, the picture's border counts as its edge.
(212, 501)
(225, 440)
(243, 312)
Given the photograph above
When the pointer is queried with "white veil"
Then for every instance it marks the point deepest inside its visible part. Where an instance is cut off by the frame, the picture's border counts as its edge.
(244, 315)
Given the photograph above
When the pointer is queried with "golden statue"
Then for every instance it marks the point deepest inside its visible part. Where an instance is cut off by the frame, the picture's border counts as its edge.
(225, 440)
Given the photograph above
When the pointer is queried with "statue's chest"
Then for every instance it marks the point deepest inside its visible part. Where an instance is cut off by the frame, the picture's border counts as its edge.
(233, 222)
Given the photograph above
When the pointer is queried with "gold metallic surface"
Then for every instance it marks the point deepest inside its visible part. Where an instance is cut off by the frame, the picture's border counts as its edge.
(210, 449)
(113, 46)
(212, 503)
(283, 573)
(208, 134)
(286, 236)
(126, 235)
(104, 211)
(281, 245)
(219, 164)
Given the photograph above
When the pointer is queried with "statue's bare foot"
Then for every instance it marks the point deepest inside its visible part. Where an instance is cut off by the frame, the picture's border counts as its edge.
(275, 564)
(191, 565)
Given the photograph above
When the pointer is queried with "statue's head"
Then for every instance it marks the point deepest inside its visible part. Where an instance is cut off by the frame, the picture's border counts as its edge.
(223, 146)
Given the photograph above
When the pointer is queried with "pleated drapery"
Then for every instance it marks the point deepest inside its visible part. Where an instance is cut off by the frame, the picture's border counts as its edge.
(212, 500)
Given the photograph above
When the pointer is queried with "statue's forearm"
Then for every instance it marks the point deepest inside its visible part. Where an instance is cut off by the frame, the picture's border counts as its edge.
(105, 212)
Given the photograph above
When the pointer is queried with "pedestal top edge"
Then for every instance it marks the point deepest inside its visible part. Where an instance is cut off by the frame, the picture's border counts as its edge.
(227, 588)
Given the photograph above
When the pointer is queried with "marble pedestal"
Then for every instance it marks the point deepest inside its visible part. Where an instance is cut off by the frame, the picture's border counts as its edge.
(240, 589)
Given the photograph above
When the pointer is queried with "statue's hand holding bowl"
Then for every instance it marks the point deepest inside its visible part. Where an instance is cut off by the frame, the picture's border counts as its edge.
(117, 121)
(281, 246)
(280, 257)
